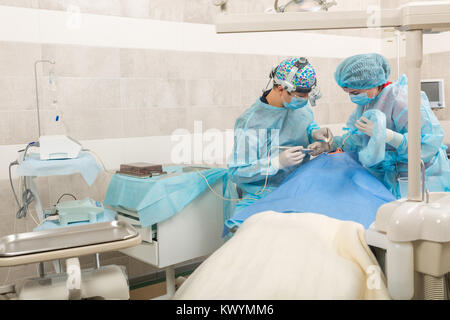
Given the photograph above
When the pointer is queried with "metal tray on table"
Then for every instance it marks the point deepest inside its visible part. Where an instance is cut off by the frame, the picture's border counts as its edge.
(65, 238)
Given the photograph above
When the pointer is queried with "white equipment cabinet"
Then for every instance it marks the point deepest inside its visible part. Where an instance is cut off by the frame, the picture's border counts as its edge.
(194, 232)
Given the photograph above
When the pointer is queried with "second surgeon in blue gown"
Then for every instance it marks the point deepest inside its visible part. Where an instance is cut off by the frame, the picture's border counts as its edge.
(365, 78)
(281, 117)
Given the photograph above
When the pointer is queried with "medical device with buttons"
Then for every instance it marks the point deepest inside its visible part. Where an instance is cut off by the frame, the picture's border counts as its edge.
(74, 211)
(435, 92)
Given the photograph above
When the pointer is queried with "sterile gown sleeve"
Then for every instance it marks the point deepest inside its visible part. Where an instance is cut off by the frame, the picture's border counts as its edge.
(431, 135)
(356, 141)
(248, 163)
(312, 126)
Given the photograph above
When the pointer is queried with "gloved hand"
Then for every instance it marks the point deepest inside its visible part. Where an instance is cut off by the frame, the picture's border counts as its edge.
(288, 158)
(364, 125)
(394, 138)
(319, 147)
(322, 134)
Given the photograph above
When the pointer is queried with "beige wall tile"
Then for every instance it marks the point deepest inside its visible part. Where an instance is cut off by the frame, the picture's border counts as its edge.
(18, 127)
(392, 4)
(93, 124)
(17, 59)
(20, 3)
(166, 10)
(85, 93)
(82, 61)
(166, 120)
(169, 93)
(440, 65)
(145, 93)
(199, 11)
(136, 122)
(210, 117)
(236, 92)
(141, 63)
(340, 112)
(154, 121)
(322, 113)
(9, 206)
(251, 91)
(135, 8)
(205, 65)
(250, 6)
(435, 66)
(17, 93)
(106, 7)
(208, 93)
(256, 67)
(136, 93)
(229, 116)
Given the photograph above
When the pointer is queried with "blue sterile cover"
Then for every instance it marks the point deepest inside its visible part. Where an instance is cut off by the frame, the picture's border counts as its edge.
(334, 185)
(158, 198)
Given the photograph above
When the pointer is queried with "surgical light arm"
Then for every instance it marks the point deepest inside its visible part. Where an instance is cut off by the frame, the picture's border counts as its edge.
(433, 15)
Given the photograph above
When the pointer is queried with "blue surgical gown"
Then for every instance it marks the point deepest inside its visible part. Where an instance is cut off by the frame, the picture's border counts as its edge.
(257, 134)
(393, 102)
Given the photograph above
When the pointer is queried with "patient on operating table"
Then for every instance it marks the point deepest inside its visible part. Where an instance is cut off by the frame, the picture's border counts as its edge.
(335, 185)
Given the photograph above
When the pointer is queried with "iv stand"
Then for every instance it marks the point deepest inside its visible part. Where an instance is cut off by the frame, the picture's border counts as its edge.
(37, 93)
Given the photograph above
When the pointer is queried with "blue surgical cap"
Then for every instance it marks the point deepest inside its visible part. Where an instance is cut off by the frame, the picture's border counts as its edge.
(363, 71)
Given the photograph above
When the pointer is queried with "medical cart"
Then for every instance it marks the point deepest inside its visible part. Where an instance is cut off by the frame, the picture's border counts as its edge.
(193, 232)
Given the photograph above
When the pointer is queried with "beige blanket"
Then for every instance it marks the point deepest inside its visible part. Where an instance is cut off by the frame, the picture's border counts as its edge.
(289, 256)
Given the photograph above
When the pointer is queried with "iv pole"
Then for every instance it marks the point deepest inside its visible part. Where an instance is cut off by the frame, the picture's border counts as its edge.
(37, 93)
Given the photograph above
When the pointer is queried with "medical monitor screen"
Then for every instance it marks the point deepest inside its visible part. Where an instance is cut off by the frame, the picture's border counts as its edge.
(432, 90)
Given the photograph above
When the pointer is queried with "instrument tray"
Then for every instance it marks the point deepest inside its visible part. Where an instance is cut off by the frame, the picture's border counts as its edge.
(65, 238)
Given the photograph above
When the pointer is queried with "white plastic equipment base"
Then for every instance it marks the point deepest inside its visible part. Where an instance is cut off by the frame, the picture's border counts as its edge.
(108, 282)
(416, 238)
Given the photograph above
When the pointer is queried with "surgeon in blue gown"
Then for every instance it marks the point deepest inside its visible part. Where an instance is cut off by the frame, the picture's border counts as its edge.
(365, 78)
(270, 136)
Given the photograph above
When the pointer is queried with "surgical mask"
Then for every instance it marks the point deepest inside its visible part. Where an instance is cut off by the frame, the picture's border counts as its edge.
(296, 103)
(361, 99)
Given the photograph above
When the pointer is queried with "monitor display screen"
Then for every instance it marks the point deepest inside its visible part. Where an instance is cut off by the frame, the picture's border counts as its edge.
(432, 90)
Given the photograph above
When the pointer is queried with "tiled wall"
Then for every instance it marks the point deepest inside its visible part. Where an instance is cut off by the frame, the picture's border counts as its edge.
(138, 92)
(196, 11)
(117, 92)
(436, 66)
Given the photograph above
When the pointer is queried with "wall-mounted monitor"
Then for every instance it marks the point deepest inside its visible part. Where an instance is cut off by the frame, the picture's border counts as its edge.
(434, 89)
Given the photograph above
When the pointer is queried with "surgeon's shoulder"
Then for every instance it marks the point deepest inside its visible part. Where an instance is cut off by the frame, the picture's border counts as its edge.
(399, 88)
(305, 112)
(396, 94)
(245, 120)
